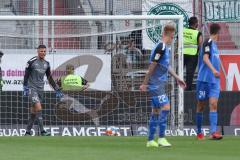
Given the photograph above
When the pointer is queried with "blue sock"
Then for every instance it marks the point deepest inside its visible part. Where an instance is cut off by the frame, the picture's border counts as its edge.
(199, 119)
(163, 122)
(152, 126)
(213, 117)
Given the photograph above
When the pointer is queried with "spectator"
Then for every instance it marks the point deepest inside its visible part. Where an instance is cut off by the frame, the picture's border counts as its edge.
(72, 81)
(134, 55)
(137, 36)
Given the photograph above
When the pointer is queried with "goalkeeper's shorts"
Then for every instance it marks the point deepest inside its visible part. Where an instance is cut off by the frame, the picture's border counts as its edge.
(36, 96)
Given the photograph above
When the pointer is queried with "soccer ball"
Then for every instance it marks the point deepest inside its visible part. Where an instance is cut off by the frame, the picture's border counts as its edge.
(112, 131)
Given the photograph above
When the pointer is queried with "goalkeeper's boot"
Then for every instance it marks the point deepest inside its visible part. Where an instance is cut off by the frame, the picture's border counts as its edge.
(163, 142)
(200, 136)
(152, 143)
(216, 136)
(27, 134)
(45, 133)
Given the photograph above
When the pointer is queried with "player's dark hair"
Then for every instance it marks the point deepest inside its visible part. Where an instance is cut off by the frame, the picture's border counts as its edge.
(192, 21)
(215, 28)
(41, 46)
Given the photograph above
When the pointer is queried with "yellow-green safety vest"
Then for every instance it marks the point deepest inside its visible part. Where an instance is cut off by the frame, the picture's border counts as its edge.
(190, 41)
(71, 82)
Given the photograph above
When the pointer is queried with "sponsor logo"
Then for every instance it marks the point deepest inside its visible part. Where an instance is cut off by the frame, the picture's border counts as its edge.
(236, 131)
(157, 56)
(207, 49)
(230, 73)
(66, 131)
(142, 131)
(45, 65)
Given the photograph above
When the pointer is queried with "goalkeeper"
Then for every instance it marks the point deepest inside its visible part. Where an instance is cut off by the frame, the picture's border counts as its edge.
(33, 86)
(155, 81)
(72, 82)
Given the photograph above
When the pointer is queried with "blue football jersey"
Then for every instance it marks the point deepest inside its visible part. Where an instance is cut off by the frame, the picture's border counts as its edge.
(204, 73)
(159, 54)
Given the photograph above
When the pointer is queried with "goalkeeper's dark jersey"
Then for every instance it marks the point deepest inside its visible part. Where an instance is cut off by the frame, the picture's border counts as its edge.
(34, 74)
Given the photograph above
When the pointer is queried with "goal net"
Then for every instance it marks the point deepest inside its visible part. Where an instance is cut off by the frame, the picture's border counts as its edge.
(110, 52)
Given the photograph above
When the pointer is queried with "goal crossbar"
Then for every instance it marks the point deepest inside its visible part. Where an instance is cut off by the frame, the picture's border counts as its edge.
(90, 17)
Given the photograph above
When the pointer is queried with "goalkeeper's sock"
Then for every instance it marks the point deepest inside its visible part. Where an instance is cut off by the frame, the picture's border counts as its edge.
(199, 119)
(163, 122)
(213, 117)
(40, 120)
(152, 126)
(31, 122)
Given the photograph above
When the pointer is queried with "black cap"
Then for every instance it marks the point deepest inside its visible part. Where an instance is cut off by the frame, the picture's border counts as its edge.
(1, 54)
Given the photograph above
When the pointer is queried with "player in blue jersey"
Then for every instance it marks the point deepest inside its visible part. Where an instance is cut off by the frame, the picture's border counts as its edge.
(155, 81)
(208, 83)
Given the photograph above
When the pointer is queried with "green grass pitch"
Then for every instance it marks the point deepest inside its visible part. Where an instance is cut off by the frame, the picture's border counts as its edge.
(116, 148)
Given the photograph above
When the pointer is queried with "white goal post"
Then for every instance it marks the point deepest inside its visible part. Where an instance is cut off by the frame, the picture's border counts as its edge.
(50, 26)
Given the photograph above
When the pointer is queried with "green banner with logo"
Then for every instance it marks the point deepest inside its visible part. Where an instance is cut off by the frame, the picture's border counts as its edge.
(222, 10)
(152, 35)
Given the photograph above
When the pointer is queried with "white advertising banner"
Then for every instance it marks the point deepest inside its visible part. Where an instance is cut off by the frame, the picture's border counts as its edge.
(152, 35)
(94, 68)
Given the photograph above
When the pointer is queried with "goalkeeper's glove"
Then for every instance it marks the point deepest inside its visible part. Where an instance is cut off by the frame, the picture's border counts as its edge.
(59, 93)
(25, 91)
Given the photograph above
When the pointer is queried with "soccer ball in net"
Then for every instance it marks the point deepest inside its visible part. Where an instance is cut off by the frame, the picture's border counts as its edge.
(112, 131)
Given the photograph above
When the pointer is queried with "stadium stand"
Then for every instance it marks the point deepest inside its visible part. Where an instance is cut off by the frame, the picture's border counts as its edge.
(234, 32)
(225, 39)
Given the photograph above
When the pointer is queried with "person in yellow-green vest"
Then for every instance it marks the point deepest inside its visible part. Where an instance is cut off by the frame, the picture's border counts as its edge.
(72, 82)
(1, 80)
(192, 40)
